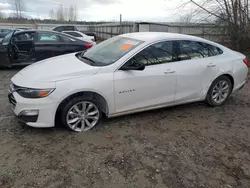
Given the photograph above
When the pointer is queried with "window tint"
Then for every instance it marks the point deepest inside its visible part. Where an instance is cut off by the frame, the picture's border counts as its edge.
(69, 28)
(48, 37)
(66, 39)
(159, 53)
(24, 37)
(7, 38)
(215, 50)
(194, 50)
(73, 34)
(59, 29)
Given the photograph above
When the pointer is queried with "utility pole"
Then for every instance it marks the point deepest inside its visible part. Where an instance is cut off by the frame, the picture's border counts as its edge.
(120, 23)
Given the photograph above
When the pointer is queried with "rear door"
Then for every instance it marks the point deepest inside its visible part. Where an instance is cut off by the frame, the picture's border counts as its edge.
(49, 45)
(196, 70)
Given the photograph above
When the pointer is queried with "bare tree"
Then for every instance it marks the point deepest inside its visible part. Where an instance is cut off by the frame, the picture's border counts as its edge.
(59, 13)
(52, 14)
(19, 7)
(71, 13)
(65, 14)
(187, 18)
(234, 14)
(75, 13)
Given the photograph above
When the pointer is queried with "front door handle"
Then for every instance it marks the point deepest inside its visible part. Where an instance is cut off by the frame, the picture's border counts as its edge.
(211, 65)
(169, 71)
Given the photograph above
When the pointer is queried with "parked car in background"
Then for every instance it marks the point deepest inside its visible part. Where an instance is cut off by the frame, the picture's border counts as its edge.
(30, 46)
(65, 28)
(72, 28)
(23, 28)
(80, 36)
(3, 33)
(126, 74)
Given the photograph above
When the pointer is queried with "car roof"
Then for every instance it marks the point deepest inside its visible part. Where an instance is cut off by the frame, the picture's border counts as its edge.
(34, 30)
(154, 36)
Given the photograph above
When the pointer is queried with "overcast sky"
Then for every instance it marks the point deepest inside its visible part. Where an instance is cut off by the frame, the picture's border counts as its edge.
(104, 10)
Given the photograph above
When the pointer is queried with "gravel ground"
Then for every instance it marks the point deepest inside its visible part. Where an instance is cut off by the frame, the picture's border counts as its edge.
(185, 146)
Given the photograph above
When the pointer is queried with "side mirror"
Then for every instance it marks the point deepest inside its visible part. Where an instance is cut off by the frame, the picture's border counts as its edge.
(133, 65)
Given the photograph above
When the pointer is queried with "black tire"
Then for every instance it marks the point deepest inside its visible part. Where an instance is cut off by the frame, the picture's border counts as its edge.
(209, 98)
(68, 104)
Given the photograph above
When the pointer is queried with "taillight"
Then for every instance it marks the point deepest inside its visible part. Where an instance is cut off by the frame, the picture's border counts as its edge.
(246, 62)
(88, 45)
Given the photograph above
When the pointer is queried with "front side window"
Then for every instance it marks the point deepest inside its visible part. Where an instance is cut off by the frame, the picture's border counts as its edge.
(111, 50)
(162, 52)
(24, 37)
(7, 38)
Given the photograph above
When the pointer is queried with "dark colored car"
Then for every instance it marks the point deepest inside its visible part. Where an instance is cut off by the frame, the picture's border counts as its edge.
(27, 47)
(4, 32)
(65, 28)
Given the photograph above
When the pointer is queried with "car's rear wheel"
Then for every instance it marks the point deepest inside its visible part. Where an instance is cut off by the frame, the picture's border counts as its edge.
(81, 114)
(219, 91)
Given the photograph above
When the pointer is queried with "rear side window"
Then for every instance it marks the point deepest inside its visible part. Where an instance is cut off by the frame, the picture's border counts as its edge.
(195, 50)
(48, 37)
(58, 29)
(215, 50)
(73, 34)
(69, 28)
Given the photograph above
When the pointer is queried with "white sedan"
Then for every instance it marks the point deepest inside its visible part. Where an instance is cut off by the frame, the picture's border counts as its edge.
(126, 74)
(81, 36)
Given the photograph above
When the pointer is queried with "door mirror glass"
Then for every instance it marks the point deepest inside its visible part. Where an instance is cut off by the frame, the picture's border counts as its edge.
(133, 65)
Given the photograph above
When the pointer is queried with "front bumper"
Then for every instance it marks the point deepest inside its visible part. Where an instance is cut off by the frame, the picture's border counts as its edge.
(45, 108)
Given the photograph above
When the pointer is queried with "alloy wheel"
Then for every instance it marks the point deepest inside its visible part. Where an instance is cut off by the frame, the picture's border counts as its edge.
(220, 91)
(83, 116)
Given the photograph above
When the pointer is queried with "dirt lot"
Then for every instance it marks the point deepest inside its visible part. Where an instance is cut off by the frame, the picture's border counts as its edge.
(186, 146)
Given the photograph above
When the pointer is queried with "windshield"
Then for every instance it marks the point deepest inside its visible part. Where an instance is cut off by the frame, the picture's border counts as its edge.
(110, 50)
(6, 39)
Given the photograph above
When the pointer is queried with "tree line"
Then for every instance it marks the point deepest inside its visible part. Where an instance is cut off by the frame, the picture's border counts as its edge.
(64, 14)
(61, 13)
(232, 14)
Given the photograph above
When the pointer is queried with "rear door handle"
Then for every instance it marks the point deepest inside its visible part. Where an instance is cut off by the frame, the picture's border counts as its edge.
(169, 71)
(211, 65)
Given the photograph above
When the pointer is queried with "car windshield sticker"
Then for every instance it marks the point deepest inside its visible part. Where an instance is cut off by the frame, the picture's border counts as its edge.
(132, 42)
(128, 44)
(125, 46)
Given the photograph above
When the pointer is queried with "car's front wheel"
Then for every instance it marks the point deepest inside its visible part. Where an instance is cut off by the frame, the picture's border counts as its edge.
(219, 91)
(81, 114)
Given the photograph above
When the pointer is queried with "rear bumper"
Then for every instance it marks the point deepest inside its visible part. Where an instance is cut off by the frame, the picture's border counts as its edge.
(240, 86)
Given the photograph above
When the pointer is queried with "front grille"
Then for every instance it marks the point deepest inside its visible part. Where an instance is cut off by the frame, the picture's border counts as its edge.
(12, 100)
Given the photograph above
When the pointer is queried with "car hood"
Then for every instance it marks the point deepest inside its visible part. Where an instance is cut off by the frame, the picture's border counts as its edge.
(56, 69)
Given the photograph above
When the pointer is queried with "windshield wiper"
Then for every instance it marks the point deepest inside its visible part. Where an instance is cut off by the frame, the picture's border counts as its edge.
(92, 61)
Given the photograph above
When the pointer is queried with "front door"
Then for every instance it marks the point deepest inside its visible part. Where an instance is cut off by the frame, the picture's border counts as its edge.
(23, 47)
(151, 87)
(6, 51)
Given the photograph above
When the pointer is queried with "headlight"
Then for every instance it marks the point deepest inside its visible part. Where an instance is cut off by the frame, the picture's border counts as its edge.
(34, 93)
